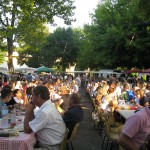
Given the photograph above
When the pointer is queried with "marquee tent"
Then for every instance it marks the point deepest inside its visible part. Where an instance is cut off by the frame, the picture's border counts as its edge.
(25, 69)
(44, 69)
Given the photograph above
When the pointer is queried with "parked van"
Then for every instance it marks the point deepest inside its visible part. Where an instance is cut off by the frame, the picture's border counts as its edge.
(91, 73)
(101, 73)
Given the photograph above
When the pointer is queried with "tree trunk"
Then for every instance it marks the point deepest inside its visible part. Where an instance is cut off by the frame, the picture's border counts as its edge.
(10, 54)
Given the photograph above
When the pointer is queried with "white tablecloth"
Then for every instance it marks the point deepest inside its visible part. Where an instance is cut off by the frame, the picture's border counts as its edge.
(126, 113)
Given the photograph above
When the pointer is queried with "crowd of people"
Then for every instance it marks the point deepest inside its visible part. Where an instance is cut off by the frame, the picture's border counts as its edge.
(112, 94)
(52, 104)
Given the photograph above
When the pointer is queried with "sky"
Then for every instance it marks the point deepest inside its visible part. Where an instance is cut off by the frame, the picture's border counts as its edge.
(83, 8)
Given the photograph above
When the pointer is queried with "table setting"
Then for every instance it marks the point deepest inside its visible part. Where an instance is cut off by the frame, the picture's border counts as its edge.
(127, 105)
(126, 108)
(11, 125)
(12, 136)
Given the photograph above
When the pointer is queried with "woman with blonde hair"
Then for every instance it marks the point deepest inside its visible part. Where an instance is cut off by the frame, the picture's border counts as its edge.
(114, 124)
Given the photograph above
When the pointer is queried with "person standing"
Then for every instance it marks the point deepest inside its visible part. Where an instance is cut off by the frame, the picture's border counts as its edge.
(47, 123)
(29, 77)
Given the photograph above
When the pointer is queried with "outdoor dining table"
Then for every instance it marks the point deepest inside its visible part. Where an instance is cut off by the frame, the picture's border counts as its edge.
(21, 141)
(126, 113)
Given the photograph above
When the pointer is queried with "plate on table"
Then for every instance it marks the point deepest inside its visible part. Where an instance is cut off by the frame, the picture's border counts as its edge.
(9, 132)
(19, 127)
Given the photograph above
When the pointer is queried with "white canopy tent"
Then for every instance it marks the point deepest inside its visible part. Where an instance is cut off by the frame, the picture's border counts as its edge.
(24, 66)
(4, 67)
(25, 69)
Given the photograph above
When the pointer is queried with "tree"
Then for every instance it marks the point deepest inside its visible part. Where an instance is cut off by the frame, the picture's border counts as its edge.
(19, 17)
(86, 56)
(118, 37)
(30, 47)
(3, 50)
(144, 6)
(61, 49)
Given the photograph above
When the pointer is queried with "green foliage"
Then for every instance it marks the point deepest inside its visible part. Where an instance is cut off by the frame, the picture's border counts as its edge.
(118, 37)
(144, 6)
(2, 56)
(19, 20)
(61, 49)
(30, 47)
(3, 51)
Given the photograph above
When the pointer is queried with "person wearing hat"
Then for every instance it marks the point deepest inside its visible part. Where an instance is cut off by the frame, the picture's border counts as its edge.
(136, 129)
(57, 100)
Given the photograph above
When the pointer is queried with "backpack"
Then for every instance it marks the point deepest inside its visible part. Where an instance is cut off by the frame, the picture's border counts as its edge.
(130, 95)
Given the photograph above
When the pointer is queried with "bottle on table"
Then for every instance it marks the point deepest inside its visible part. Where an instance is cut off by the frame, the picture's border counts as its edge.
(4, 116)
(4, 111)
(13, 117)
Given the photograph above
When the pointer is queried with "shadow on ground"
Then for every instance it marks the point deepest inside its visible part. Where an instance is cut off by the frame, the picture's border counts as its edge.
(87, 138)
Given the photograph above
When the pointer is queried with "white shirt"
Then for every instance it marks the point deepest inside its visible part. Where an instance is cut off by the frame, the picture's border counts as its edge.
(19, 101)
(78, 81)
(118, 91)
(75, 89)
(48, 125)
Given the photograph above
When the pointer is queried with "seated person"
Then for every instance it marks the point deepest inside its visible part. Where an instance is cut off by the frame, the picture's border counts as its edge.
(138, 97)
(74, 113)
(56, 99)
(100, 93)
(113, 115)
(18, 96)
(12, 103)
(29, 92)
(47, 123)
(5, 97)
(136, 129)
(144, 101)
(127, 94)
(111, 95)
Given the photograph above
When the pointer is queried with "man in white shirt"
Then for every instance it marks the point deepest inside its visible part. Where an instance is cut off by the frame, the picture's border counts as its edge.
(47, 122)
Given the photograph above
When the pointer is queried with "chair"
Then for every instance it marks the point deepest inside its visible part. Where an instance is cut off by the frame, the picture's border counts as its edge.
(95, 114)
(109, 135)
(73, 134)
(63, 144)
(146, 144)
